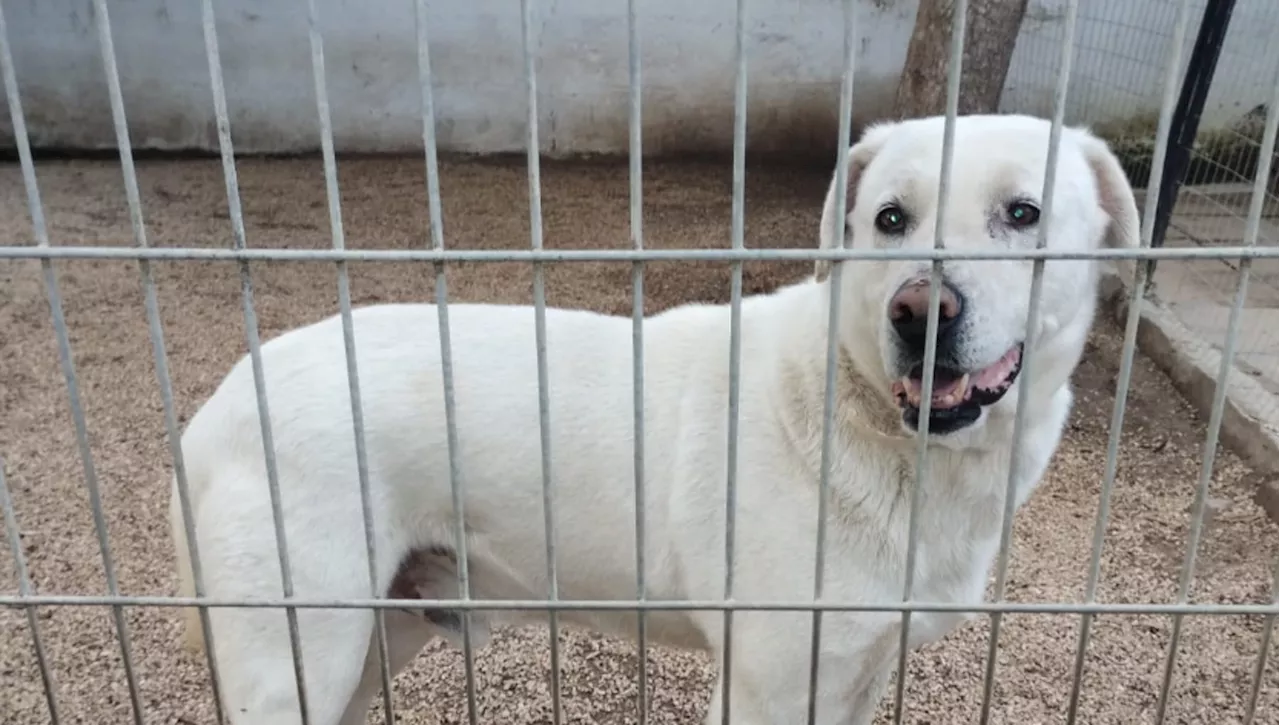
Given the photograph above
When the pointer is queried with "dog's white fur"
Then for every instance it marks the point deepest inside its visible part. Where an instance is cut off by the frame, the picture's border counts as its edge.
(686, 396)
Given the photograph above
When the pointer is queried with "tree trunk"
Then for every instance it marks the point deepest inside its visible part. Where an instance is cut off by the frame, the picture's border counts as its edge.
(992, 30)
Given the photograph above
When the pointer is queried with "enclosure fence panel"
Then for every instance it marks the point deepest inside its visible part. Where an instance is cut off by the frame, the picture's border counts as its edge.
(446, 353)
(958, 18)
(1122, 381)
(1033, 314)
(635, 210)
(1243, 254)
(829, 381)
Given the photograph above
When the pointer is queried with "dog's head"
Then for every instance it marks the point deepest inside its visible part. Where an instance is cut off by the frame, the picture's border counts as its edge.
(997, 179)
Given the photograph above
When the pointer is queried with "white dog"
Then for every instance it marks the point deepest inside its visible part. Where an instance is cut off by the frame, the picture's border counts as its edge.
(999, 167)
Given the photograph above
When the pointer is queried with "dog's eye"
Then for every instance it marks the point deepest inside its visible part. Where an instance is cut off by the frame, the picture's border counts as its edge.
(891, 220)
(1022, 214)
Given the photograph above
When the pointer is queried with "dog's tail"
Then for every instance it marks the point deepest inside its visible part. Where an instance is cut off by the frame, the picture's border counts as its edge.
(192, 634)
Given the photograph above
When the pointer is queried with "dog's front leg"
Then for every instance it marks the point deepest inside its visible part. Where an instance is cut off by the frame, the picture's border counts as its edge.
(771, 673)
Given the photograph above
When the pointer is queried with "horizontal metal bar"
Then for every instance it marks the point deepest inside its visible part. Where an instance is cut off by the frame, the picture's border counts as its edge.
(17, 600)
(621, 255)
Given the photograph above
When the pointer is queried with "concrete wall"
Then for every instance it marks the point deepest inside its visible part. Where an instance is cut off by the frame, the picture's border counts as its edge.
(688, 54)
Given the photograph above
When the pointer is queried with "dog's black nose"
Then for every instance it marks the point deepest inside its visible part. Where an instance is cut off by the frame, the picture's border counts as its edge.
(909, 314)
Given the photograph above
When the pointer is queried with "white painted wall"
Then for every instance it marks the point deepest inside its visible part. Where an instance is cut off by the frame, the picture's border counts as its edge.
(688, 54)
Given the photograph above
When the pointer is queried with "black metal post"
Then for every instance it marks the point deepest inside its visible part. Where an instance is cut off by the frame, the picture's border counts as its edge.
(1186, 115)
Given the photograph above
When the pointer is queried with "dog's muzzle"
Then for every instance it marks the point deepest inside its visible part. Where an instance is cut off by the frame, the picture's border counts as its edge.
(959, 395)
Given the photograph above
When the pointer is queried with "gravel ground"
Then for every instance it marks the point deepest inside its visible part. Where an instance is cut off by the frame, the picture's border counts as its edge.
(486, 206)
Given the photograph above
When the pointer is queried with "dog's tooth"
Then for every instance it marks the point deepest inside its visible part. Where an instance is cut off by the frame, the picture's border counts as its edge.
(962, 388)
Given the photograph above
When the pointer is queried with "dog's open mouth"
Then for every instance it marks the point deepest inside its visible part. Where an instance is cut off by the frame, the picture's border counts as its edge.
(958, 397)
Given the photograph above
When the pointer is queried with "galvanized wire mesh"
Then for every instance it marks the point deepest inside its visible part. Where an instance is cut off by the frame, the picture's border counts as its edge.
(1244, 252)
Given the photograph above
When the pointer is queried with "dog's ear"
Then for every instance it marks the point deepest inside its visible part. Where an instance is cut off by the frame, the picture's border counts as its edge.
(860, 154)
(1115, 195)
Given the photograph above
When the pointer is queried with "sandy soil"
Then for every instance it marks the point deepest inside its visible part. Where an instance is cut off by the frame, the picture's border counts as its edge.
(486, 206)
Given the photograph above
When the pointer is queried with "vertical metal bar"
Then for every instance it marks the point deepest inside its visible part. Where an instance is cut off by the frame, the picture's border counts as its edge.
(436, 213)
(1264, 171)
(42, 239)
(635, 181)
(156, 331)
(833, 348)
(1219, 405)
(540, 334)
(180, 475)
(20, 563)
(958, 24)
(65, 359)
(1029, 345)
(1215, 422)
(1186, 115)
(236, 213)
(737, 239)
(334, 198)
(1128, 349)
(1141, 273)
(1264, 650)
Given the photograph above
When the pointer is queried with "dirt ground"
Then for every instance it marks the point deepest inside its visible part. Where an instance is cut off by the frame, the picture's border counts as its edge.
(585, 204)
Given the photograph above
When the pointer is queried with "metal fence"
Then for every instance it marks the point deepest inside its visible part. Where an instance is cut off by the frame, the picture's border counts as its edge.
(1242, 255)
(1206, 182)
